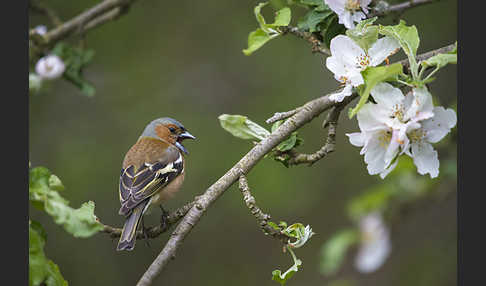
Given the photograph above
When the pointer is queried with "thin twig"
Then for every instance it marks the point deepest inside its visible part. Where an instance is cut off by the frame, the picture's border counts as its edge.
(91, 18)
(405, 63)
(317, 45)
(282, 115)
(155, 231)
(309, 111)
(42, 8)
(330, 122)
(261, 217)
(400, 7)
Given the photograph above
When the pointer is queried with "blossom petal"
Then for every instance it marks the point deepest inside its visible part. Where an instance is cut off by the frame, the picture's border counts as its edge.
(392, 150)
(356, 139)
(339, 96)
(422, 105)
(375, 155)
(354, 77)
(346, 18)
(364, 5)
(345, 50)
(425, 158)
(375, 244)
(387, 170)
(336, 67)
(382, 49)
(50, 67)
(387, 95)
(371, 117)
(438, 126)
(358, 16)
(336, 5)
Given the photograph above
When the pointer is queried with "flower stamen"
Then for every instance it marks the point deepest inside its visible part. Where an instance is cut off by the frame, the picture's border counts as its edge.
(352, 5)
(363, 60)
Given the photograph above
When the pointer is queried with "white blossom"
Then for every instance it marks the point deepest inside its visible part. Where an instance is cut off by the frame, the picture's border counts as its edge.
(399, 124)
(349, 11)
(41, 29)
(375, 246)
(432, 130)
(348, 59)
(383, 126)
(50, 67)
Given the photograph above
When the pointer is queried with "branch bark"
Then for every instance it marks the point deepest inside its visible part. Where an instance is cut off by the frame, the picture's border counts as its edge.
(401, 7)
(93, 17)
(42, 8)
(155, 231)
(331, 123)
(261, 217)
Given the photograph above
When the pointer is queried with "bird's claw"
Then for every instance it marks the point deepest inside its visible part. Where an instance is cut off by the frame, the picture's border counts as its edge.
(164, 218)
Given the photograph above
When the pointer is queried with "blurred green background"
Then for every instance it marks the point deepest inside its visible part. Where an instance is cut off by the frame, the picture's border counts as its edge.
(183, 59)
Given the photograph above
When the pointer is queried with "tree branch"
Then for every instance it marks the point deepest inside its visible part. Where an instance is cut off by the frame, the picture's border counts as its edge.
(154, 231)
(306, 113)
(94, 16)
(331, 122)
(319, 47)
(400, 7)
(39, 6)
(406, 65)
(261, 217)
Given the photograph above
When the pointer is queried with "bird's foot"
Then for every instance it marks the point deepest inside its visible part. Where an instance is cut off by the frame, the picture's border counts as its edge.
(145, 233)
(164, 219)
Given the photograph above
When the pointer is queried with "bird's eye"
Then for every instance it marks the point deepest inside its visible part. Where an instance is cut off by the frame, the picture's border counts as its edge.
(172, 129)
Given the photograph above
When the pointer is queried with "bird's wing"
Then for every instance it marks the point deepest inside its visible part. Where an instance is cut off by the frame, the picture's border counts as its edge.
(138, 184)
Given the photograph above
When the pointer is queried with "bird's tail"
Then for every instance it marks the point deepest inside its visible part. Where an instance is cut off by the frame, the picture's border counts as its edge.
(129, 233)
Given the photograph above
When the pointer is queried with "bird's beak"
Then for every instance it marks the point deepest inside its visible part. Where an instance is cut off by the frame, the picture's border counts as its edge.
(182, 136)
(186, 135)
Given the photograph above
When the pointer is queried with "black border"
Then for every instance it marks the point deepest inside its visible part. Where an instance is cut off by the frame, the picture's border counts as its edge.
(15, 126)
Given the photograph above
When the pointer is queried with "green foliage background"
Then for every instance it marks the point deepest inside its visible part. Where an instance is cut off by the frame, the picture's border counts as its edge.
(184, 59)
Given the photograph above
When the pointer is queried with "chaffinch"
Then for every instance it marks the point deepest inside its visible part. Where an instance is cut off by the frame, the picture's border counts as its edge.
(152, 172)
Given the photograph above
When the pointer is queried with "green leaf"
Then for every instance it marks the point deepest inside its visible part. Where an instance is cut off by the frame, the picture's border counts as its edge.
(242, 127)
(80, 222)
(259, 16)
(273, 225)
(55, 183)
(372, 76)
(409, 40)
(266, 32)
(282, 278)
(41, 269)
(364, 34)
(300, 233)
(332, 28)
(75, 59)
(282, 224)
(256, 40)
(288, 144)
(334, 250)
(440, 60)
(293, 141)
(312, 20)
(316, 5)
(282, 17)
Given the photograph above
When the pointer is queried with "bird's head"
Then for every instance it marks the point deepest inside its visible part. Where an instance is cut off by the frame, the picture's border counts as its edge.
(169, 130)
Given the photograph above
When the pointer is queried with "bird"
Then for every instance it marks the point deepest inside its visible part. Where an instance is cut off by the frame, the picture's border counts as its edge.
(152, 172)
